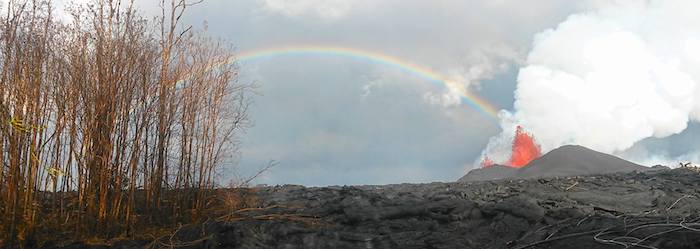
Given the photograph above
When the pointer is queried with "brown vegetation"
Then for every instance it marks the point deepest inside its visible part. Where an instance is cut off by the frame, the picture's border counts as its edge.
(108, 125)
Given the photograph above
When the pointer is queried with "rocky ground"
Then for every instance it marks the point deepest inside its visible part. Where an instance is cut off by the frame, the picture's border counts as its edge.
(656, 209)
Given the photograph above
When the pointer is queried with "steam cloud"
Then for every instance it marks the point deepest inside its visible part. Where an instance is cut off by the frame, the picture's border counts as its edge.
(609, 78)
(483, 64)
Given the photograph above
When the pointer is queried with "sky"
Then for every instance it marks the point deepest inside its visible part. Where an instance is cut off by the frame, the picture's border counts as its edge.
(333, 119)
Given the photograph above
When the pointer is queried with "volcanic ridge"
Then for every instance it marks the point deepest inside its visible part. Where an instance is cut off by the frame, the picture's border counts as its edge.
(568, 160)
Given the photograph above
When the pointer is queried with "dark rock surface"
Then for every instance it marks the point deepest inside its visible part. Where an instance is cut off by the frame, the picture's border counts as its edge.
(568, 160)
(494, 172)
(655, 209)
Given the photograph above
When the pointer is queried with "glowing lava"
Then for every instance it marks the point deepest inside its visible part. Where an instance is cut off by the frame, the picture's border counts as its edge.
(524, 149)
(487, 162)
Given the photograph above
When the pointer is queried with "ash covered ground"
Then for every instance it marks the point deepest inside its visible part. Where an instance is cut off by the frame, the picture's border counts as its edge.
(652, 209)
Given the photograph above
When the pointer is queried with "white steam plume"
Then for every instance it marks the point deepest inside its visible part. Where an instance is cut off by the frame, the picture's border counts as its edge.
(609, 78)
(483, 64)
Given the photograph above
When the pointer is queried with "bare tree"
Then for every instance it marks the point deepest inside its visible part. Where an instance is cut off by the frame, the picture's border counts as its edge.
(105, 120)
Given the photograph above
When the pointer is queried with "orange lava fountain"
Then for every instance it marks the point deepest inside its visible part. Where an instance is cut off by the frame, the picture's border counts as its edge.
(524, 149)
(487, 162)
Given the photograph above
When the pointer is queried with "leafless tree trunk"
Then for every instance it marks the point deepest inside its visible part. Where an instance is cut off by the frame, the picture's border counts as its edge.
(101, 113)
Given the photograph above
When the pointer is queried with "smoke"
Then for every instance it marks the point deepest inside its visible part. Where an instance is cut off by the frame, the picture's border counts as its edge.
(483, 64)
(608, 78)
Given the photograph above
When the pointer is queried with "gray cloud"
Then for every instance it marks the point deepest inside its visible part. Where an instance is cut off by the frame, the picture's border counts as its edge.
(323, 131)
(669, 151)
(333, 120)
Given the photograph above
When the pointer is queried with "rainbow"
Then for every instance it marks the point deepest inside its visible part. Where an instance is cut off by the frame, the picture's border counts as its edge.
(466, 96)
